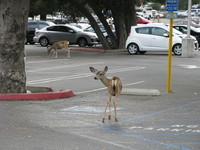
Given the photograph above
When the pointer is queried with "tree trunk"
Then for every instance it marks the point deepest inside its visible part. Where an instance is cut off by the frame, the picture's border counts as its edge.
(120, 29)
(13, 21)
(43, 16)
(97, 9)
(130, 15)
(120, 26)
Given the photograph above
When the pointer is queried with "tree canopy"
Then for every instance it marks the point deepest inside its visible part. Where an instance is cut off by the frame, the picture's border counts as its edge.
(123, 13)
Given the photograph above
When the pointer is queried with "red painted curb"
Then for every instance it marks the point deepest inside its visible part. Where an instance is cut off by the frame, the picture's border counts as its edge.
(89, 49)
(37, 96)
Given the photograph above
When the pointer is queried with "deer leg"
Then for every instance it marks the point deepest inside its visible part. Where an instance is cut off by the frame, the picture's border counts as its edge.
(56, 54)
(107, 103)
(68, 53)
(109, 116)
(53, 54)
(115, 107)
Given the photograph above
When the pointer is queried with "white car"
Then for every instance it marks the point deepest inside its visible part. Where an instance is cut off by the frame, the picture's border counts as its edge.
(154, 37)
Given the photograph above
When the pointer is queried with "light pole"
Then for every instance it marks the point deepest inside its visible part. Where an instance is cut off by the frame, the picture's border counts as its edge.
(189, 18)
(188, 42)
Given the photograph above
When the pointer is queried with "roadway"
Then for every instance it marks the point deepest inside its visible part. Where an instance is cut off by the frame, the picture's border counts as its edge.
(169, 121)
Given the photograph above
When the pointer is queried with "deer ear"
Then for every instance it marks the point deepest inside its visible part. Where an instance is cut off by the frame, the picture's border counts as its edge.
(106, 69)
(93, 70)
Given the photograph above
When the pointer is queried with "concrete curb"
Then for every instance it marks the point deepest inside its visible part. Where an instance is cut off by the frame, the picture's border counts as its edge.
(97, 49)
(142, 92)
(37, 96)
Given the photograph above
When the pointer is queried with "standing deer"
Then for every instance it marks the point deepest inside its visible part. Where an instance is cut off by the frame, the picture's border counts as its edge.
(114, 86)
(59, 45)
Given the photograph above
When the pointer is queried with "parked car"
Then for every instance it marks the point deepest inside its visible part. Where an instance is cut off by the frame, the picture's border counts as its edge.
(74, 35)
(195, 12)
(32, 26)
(90, 29)
(103, 30)
(193, 31)
(142, 20)
(82, 26)
(154, 37)
(182, 13)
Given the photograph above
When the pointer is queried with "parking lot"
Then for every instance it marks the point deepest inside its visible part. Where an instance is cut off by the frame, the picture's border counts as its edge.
(168, 122)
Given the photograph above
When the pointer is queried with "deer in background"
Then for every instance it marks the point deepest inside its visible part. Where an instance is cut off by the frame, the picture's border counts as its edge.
(57, 46)
(114, 86)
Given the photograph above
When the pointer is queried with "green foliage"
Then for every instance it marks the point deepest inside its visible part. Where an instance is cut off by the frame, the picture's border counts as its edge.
(43, 7)
(183, 5)
(156, 6)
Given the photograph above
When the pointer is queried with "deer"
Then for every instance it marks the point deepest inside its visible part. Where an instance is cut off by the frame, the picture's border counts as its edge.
(114, 86)
(57, 46)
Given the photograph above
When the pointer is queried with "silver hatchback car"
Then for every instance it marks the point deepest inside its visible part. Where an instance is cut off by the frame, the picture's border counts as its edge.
(49, 35)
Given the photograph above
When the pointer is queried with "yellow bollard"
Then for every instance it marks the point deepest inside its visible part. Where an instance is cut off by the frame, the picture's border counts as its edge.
(169, 72)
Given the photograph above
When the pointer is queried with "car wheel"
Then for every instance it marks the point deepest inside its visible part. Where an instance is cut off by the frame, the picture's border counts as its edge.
(177, 49)
(82, 42)
(133, 49)
(44, 42)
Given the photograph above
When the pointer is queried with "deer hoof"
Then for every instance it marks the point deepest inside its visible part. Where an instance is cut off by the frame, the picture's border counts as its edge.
(109, 117)
(103, 120)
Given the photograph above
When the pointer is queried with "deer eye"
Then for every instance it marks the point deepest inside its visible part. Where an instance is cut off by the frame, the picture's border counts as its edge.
(100, 73)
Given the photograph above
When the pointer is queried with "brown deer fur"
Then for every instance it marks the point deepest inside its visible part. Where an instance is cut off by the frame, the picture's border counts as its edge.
(114, 86)
(59, 45)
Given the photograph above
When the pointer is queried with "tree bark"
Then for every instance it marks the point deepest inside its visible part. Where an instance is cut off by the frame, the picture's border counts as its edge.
(13, 21)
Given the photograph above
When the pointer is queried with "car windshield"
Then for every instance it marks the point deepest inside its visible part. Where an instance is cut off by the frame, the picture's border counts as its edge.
(177, 32)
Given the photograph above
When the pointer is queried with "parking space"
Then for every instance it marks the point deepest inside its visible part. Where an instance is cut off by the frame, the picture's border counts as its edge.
(166, 122)
(173, 128)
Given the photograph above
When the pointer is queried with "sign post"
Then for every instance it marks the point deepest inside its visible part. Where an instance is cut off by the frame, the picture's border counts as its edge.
(171, 6)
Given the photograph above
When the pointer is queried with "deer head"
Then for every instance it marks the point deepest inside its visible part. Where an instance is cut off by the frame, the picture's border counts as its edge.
(99, 74)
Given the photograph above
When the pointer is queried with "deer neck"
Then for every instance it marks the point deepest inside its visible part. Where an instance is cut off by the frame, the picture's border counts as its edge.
(105, 81)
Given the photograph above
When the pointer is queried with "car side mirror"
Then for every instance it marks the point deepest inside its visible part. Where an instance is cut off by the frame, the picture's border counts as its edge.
(166, 35)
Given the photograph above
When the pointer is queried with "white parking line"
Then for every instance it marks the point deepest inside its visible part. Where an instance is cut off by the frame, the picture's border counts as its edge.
(64, 66)
(99, 89)
(83, 75)
(41, 61)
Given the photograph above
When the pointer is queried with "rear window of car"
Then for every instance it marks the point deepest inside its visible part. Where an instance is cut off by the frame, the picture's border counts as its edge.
(53, 28)
(143, 30)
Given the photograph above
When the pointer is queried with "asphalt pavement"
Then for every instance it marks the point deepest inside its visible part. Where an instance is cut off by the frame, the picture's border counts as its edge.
(168, 121)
